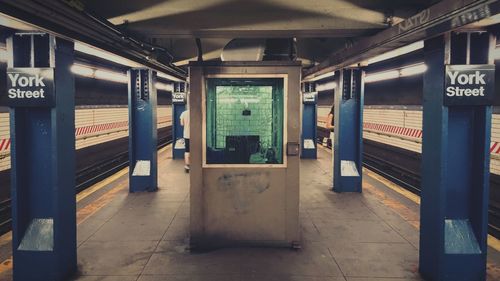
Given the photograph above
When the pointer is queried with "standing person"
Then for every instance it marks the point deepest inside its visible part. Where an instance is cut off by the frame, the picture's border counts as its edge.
(185, 123)
(330, 124)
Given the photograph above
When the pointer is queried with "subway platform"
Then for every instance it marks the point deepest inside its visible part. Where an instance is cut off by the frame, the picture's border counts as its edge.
(345, 237)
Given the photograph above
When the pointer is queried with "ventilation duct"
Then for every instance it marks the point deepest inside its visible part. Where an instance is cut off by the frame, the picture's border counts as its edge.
(254, 49)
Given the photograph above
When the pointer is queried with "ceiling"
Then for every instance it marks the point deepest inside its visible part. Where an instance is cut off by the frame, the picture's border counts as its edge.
(319, 26)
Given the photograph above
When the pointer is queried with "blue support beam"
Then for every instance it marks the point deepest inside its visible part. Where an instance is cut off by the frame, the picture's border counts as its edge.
(179, 100)
(348, 140)
(455, 163)
(42, 130)
(143, 166)
(309, 121)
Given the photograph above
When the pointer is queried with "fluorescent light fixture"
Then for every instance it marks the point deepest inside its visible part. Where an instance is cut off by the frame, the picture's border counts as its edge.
(385, 56)
(326, 86)
(496, 53)
(87, 49)
(87, 71)
(379, 76)
(111, 76)
(16, 24)
(397, 52)
(82, 70)
(169, 77)
(396, 73)
(164, 87)
(413, 70)
(319, 77)
(90, 72)
(3, 55)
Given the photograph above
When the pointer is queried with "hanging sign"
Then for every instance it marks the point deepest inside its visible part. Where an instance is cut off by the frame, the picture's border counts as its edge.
(469, 85)
(30, 87)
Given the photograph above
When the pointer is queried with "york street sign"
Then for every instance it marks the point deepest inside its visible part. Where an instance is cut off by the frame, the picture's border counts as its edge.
(309, 98)
(178, 98)
(30, 87)
(469, 85)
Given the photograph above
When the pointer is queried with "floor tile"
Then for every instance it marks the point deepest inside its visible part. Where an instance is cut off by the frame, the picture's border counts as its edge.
(114, 258)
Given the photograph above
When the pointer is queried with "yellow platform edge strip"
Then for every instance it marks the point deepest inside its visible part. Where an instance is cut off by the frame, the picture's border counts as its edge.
(6, 265)
(492, 241)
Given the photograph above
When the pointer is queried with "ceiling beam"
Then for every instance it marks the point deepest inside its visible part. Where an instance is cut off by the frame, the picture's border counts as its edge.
(442, 17)
(237, 33)
(63, 20)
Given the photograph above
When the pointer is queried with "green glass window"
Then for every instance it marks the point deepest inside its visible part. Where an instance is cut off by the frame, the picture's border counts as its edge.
(244, 121)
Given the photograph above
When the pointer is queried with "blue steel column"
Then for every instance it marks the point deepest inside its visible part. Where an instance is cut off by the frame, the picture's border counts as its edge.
(348, 140)
(309, 121)
(177, 130)
(43, 166)
(455, 167)
(143, 167)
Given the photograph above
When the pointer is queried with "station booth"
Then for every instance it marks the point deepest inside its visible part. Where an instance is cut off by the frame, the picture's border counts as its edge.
(245, 139)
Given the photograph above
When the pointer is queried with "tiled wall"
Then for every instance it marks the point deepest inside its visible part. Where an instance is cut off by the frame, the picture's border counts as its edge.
(230, 121)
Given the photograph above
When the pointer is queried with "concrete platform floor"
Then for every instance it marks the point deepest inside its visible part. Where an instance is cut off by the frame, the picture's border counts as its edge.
(371, 236)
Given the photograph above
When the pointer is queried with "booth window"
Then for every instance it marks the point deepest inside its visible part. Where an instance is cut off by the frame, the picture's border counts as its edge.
(244, 121)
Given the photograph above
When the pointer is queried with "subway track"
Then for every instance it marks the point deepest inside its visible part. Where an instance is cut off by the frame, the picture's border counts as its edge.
(94, 164)
(398, 165)
(402, 167)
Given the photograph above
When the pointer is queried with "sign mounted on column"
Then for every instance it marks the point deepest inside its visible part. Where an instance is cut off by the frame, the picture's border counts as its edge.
(179, 98)
(309, 97)
(469, 85)
(30, 87)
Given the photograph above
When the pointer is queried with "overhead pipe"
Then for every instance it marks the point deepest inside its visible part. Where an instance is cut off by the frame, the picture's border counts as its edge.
(73, 23)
